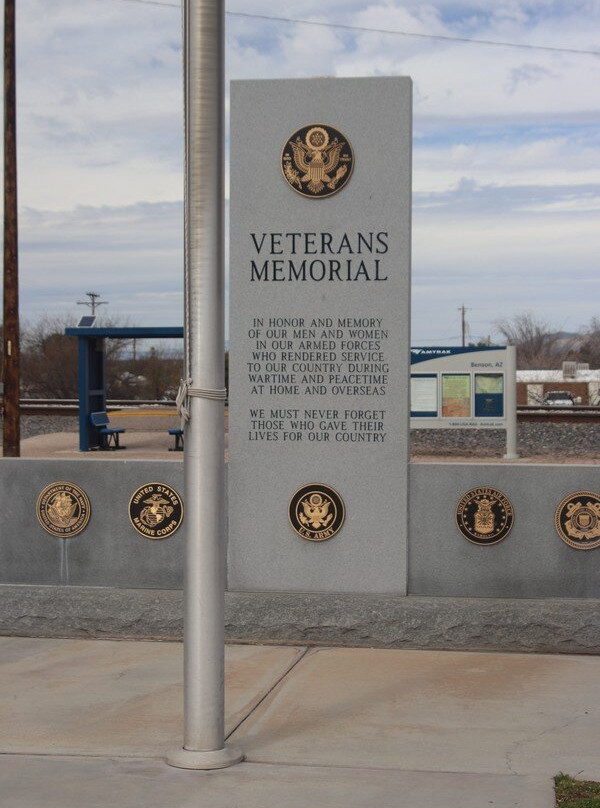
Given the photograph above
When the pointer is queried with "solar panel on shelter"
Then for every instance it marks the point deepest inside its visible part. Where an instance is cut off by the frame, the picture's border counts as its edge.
(87, 321)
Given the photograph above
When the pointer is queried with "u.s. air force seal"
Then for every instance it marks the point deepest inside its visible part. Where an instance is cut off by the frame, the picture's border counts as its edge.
(156, 511)
(484, 515)
(316, 512)
(577, 520)
(317, 161)
(63, 509)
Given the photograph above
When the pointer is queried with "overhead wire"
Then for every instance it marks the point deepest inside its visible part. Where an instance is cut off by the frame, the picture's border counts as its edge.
(386, 31)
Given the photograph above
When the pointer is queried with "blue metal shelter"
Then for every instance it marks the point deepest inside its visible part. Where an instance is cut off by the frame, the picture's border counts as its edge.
(92, 370)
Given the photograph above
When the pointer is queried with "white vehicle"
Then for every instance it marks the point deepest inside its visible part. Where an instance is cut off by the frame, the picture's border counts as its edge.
(559, 398)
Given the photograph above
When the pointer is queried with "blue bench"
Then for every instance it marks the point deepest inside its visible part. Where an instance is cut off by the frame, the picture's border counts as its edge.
(108, 435)
(178, 435)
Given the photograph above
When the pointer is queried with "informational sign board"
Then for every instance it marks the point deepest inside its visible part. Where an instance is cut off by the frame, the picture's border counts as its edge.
(319, 334)
(462, 387)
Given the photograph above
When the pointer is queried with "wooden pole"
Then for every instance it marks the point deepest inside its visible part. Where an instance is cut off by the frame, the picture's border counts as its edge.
(11, 375)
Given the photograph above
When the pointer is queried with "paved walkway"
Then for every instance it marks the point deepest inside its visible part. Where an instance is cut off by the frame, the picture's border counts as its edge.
(87, 723)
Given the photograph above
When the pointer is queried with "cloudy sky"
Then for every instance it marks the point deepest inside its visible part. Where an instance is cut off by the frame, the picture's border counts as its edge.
(506, 148)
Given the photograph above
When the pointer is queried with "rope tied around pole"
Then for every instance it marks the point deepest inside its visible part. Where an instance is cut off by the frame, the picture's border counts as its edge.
(187, 391)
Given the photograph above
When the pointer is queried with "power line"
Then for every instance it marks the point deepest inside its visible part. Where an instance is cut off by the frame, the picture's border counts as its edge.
(387, 31)
(154, 3)
(411, 33)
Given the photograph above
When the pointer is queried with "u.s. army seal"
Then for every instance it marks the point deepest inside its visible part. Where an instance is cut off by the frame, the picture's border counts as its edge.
(63, 509)
(316, 512)
(577, 520)
(484, 515)
(317, 161)
(156, 511)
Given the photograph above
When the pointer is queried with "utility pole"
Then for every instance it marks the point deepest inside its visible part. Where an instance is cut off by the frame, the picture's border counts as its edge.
(463, 324)
(10, 359)
(93, 301)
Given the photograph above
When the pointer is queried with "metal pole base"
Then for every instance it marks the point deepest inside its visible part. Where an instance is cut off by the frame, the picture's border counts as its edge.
(510, 457)
(214, 759)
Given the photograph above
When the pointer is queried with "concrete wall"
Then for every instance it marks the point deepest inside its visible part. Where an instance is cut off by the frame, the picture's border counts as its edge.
(531, 562)
(108, 552)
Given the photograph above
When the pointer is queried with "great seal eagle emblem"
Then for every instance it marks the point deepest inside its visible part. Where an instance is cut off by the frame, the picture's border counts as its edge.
(317, 161)
(316, 512)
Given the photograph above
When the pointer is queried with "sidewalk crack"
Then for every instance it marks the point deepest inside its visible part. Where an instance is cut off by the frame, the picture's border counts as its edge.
(275, 684)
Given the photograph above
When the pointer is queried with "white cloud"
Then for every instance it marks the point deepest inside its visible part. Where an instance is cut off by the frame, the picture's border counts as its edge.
(505, 158)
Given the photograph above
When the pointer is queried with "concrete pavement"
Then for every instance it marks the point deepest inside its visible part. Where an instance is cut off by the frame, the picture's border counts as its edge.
(87, 722)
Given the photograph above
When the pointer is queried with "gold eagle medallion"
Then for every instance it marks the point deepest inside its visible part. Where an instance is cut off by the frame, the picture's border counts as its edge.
(316, 512)
(317, 161)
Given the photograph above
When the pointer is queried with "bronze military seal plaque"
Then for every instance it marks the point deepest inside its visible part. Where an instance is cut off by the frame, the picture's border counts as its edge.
(317, 161)
(484, 515)
(317, 512)
(63, 509)
(156, 511)
(577, 520)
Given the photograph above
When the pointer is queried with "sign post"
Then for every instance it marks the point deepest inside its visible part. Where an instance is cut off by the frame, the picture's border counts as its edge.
(511, 403)
(203, 394)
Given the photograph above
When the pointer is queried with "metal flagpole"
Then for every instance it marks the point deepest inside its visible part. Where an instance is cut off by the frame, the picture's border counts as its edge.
(202, 394)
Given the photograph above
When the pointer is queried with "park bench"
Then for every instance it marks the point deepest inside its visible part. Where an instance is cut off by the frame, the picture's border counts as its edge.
(178, 435)
(108, 434)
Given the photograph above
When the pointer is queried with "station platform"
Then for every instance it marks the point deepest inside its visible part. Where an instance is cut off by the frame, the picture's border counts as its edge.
(88, 722)
(138, 445)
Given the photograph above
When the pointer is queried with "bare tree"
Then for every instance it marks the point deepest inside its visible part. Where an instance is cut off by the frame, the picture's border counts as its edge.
(49, 359)
(590, 344)
(539, 346)
(161, 370)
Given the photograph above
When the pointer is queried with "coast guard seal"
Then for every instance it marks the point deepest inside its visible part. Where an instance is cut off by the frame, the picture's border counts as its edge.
(577, 520)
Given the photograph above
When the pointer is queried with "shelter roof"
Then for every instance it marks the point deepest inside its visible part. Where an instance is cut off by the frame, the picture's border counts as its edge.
(137, 332)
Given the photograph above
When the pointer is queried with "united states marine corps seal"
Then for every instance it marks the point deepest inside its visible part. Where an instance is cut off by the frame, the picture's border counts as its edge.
(156, 511)
(63, 509)
(484, 516)
(577, 520)
(316, 512)
(317, 161)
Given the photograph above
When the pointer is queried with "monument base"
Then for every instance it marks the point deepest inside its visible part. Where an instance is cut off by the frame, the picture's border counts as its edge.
(213, 759)
(542, 625)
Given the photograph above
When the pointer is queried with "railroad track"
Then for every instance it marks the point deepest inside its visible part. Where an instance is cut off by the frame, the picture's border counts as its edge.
(579, 413)
(69, 406)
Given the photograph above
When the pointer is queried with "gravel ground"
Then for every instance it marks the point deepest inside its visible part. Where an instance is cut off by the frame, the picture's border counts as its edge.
(534, 439)
(32, 425)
